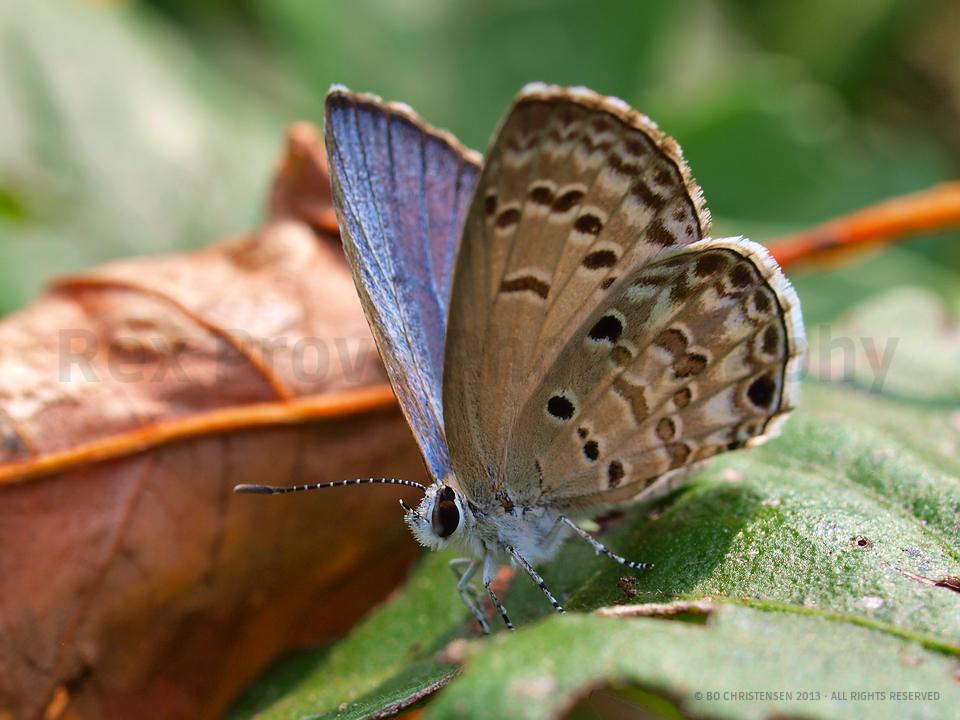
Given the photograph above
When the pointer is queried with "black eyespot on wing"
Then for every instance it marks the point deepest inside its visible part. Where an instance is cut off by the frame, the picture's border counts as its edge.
(741, 276)
(615, 473)
(689, 365)
(658, 234)
(761, 391)
(560, 407)
(709, 264)
(599, 259)
(446, 516)
(541, 195)
(567, 201)
(591, 449)
(771, 340)
(588, 224)
(608, 328)
(490, 204)
(527, 283)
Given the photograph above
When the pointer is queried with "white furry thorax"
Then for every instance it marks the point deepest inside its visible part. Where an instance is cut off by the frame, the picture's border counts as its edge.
(483, 532)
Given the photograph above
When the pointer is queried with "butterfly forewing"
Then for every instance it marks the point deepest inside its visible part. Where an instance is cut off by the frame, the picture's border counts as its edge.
(402, 190)
(576, 189)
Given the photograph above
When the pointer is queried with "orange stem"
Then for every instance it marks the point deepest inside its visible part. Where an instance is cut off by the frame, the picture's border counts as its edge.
(937, 208)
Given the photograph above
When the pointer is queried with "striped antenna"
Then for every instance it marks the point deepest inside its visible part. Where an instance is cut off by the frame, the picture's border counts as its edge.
(277, 490)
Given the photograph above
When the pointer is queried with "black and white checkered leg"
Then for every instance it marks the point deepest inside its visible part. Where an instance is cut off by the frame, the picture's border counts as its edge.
(468, 593)
(489, 573)
(601, 548)
(536, 578)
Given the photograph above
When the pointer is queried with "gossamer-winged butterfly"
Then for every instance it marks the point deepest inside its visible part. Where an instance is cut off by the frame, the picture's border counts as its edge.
(561, 333)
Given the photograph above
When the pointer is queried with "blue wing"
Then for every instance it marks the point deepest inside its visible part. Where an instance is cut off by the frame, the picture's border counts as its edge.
(402, 190)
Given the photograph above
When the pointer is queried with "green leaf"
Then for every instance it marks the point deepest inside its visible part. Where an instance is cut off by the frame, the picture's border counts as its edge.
(386, 660)
(757, 664)
(820, 552)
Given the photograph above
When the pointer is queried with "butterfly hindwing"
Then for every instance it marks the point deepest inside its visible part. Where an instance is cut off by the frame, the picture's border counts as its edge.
(576, 188)
(688, 356)
(402, 190)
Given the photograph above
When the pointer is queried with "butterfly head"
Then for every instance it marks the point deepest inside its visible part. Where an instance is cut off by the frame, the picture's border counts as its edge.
(440, 518)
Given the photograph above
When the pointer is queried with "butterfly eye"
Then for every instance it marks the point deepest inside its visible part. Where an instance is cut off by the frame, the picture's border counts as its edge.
(446, 516)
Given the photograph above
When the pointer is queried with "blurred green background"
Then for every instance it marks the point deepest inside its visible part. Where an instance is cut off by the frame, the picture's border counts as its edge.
(144, 127)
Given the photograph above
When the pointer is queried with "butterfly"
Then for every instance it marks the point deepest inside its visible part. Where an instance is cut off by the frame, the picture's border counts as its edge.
(561, 332)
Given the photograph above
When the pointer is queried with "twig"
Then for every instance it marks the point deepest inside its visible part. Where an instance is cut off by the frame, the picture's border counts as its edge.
(934, 209)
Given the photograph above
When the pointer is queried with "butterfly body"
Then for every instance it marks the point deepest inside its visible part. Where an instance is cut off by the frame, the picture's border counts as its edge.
(535, 531)
(561, 332)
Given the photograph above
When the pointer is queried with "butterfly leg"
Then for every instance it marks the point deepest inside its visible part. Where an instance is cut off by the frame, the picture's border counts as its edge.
(489, 573)
(601, 548)
(521, 561)
(468, 593)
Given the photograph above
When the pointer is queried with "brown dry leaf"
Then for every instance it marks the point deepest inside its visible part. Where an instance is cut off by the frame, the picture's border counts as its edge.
(132, 399)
